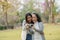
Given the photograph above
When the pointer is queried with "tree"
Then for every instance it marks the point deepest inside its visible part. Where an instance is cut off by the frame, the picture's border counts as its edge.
(5, 6)
(46, 11)
(51, 10)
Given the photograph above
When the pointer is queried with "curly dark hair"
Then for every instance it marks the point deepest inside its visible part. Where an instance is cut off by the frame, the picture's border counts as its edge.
(38, 17)
(28, 14)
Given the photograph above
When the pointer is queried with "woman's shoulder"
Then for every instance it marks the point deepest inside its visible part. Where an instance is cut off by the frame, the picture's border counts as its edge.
(40, 23)
(24, 20)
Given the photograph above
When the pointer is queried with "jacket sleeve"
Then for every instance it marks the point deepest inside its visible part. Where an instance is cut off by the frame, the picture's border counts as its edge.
(41, 27)
(23, 25)
(24, 32)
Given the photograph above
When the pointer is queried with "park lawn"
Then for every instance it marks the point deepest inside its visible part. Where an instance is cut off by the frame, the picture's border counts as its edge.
(52, 32)
(10, 34)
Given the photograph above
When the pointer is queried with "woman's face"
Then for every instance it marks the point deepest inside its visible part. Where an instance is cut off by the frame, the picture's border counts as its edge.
(34, 18)
(29, 18)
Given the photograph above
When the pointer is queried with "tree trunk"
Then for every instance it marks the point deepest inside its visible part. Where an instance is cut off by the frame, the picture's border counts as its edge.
(51, 15)
(5, 14)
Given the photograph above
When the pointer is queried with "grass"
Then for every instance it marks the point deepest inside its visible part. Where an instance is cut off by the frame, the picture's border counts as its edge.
(10, 34)
(52, 32)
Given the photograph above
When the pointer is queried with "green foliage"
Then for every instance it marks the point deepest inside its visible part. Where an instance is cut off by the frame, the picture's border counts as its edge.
(2, 27)
(54, 11)
(58, 20)
(6, 5)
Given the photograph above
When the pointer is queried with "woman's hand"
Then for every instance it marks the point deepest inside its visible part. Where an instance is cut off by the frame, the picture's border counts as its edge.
(27, 26)
(33, 27)
(42, 33)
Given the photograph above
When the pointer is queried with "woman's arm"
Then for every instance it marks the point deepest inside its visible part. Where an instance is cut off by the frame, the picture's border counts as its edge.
(24, 32)
(23, 25)
(41, 27)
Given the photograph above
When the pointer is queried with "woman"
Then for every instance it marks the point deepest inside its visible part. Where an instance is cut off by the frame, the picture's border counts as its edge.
(26, 29)
(38, 27)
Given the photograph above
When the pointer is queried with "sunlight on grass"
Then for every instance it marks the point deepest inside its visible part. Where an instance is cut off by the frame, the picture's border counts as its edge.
(51, 33)
(10, 34)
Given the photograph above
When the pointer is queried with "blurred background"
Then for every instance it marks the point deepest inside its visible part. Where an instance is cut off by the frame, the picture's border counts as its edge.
(12, 13)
